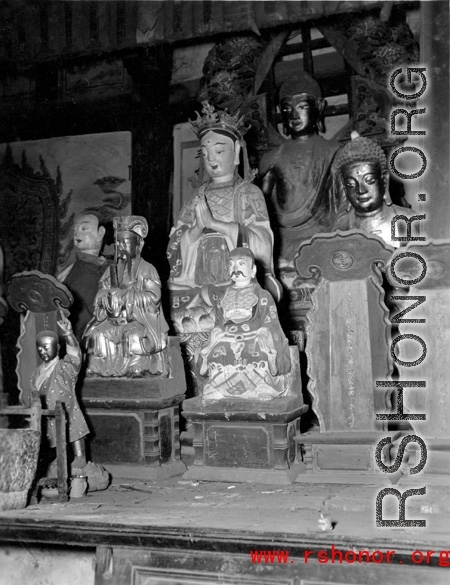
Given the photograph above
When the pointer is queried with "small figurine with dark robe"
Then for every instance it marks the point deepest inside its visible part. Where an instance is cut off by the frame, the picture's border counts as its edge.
(55, 380)
(82, 276)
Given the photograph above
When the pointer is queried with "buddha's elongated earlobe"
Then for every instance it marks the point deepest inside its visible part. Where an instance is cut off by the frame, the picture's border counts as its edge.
(387, 196)
(320, 122)
(349, 207)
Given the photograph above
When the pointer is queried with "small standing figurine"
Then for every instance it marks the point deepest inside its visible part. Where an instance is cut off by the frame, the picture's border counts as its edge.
(361, 166)
(247, 355)
(127, 336)
(55, 380)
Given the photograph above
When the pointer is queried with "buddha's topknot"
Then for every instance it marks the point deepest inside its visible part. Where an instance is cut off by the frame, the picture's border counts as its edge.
(360, 149)
(301, 83)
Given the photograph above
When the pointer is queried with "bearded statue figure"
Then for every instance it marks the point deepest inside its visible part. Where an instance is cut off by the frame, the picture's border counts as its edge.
(247, 355)
(128, 334)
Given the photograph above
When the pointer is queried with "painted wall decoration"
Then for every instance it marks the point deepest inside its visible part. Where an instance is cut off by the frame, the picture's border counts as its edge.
(80, 173)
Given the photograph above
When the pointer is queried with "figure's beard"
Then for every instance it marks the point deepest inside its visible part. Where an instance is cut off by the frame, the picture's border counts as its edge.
(124, 262)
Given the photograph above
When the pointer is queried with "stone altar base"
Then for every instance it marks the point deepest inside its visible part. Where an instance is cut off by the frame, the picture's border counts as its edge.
(135, 422)
(244, 440)
(349, 458)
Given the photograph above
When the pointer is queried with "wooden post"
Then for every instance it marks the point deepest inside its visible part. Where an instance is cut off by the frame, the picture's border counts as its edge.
(434, 43)
(151, 154)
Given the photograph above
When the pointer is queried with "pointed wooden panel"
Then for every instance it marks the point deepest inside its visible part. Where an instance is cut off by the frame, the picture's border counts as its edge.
(348, 329)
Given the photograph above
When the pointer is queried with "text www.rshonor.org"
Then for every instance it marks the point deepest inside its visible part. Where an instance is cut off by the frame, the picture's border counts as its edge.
(337, 556)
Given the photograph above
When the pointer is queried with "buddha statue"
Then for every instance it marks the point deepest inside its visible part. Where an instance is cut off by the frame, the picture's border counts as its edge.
(296, 176)
(361, 167)
(247, 355)
(127, 336)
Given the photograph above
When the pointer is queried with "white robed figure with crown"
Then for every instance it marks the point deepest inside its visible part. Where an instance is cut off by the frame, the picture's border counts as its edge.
(128, 333)
(227, 211)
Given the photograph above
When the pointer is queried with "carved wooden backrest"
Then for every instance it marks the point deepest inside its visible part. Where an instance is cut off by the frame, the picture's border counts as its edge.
(348, 330)
(29, 220)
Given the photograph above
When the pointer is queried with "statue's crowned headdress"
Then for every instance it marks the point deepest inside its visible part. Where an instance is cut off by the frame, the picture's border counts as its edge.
(135, 224)
(220, 121)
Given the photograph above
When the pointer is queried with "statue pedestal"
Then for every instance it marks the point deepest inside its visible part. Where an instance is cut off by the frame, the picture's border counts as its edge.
(342, 457)
(135, 422)
(241, 440)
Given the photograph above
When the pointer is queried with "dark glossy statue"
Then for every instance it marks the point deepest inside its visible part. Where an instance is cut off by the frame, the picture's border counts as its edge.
(297, 175)
(361, 167)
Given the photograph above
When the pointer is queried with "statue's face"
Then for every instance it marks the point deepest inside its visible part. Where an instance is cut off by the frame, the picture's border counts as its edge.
(127, 245)
(299, 113)
(219, 155)
(241, 269)
(87, 236)
(364, 186)
(47, 348)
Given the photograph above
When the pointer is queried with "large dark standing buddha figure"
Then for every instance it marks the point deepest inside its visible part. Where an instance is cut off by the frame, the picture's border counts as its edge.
(296, 176)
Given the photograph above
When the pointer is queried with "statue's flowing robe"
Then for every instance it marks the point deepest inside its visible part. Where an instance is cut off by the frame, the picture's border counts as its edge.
(194, 264)
(82, 278)
(56, 382)
(130, 342)
(304, 199)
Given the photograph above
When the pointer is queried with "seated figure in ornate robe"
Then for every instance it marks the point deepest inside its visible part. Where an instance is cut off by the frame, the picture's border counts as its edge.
(247, 355)
(226, 212)
(128, 333)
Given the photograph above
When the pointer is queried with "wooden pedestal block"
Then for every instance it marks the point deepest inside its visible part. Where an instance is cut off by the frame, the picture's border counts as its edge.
(135, 422)
(341, 457)
(350, 458)
(244, 440)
